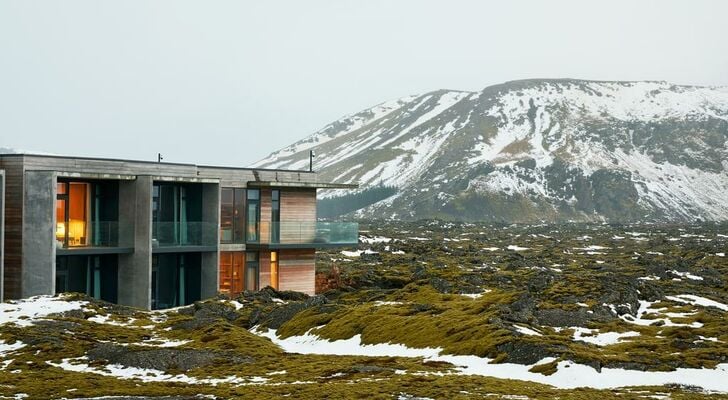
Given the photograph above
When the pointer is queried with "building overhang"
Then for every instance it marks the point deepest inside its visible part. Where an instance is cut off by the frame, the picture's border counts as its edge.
(311, 185)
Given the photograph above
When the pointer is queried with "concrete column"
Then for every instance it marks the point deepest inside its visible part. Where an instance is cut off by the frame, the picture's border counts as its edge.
(39, 241)
(2, 235)
(135, 270)
(209, 271)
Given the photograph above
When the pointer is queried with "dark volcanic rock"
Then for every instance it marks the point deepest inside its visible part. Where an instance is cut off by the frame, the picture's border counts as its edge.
(520, 352)
(281, 315)
(162, 359)
(579, 317)
(206, 313)
(441, 285)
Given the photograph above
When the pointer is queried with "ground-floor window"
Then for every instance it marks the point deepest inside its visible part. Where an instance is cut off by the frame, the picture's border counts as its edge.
(96, 276)
(239, 271)
(274, 269)
(252, 267)
(231, 272)
(176, 279)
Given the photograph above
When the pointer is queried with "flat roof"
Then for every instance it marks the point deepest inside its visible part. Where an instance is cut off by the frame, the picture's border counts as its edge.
(317, 185)
(150, 162)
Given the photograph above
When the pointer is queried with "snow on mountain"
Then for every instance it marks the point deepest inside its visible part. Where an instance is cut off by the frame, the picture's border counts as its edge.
(535, 150)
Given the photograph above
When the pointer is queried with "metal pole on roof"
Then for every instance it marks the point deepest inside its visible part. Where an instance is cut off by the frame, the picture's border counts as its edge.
(311, 155)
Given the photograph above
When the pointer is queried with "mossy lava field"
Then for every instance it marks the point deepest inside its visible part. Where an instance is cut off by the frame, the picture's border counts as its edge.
(421, 310)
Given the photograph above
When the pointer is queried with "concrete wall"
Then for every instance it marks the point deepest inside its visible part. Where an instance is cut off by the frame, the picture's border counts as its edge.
(39, 221)
(2, 235)
(209, 279)
(135, 270)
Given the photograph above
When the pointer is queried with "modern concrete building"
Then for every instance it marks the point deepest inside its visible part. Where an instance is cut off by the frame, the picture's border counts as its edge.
(158, 235)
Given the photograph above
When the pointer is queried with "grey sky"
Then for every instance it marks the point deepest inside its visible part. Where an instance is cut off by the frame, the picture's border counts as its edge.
(227, 82)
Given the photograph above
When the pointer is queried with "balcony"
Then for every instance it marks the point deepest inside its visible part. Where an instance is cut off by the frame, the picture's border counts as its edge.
(184, 234)
(309, 234)
(78, 236)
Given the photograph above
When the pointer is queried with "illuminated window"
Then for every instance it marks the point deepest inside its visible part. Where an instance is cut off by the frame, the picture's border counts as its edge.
(274, 269)
(72, 211)
(61, 222)
(231, 272)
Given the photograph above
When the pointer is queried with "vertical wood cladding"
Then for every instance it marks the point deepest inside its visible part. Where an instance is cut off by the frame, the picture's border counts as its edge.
(298, 216)
(13, 167)
(297, 270)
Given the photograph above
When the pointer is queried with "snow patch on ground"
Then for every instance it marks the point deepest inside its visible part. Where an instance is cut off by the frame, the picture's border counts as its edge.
(568, 375)
(600, 339)
(698, 301)
(26, 311)
(357, 253)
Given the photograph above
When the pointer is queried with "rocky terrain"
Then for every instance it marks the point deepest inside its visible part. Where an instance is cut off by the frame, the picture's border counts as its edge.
(541, 150)
(419, 310)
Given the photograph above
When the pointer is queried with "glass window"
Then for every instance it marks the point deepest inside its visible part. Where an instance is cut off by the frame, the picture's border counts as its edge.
(77, 214)
(275, 216)
(226, 272)
(61, 220)
(239, 216)
(253, 214)
(72, 214)
(251, 271)
(175, 279)
(231, 272)
(226, 215)
(274, 269)
(232, 215)
(96, 276)
(177, 214)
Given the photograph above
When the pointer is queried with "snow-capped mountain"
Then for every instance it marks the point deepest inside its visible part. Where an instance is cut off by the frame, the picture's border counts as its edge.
(534, 150)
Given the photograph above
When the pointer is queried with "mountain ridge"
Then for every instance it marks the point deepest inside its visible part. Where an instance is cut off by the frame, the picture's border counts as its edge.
(535, 150)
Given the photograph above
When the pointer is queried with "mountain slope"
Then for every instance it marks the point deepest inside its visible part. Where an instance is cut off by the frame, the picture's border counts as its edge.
(535, 150)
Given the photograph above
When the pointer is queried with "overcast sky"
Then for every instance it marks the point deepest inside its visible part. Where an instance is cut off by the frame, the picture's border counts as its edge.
(227, 82)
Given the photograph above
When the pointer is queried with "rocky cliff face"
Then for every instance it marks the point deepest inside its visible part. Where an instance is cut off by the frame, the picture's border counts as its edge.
(534, 150)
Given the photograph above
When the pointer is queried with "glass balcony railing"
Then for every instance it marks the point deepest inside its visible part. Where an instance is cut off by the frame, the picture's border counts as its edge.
(309, 233)
(77, 233)
(184, 234)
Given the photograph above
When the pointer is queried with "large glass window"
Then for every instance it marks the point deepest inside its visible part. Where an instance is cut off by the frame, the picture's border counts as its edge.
(231, 272)
(274, 269)
(253, 215)
(275, 207)
(87, 213)
(251, 271)
(232, 215)
(226, 215)
(176, 214)
(95, 276)
(175, 279)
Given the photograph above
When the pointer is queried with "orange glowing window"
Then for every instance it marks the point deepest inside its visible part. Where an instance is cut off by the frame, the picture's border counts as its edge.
(231, 272)
(274, 269)
(72, 203)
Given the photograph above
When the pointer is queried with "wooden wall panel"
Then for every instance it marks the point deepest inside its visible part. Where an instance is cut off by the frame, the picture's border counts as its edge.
(297, 270)
(298, 216)
(13, 167)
